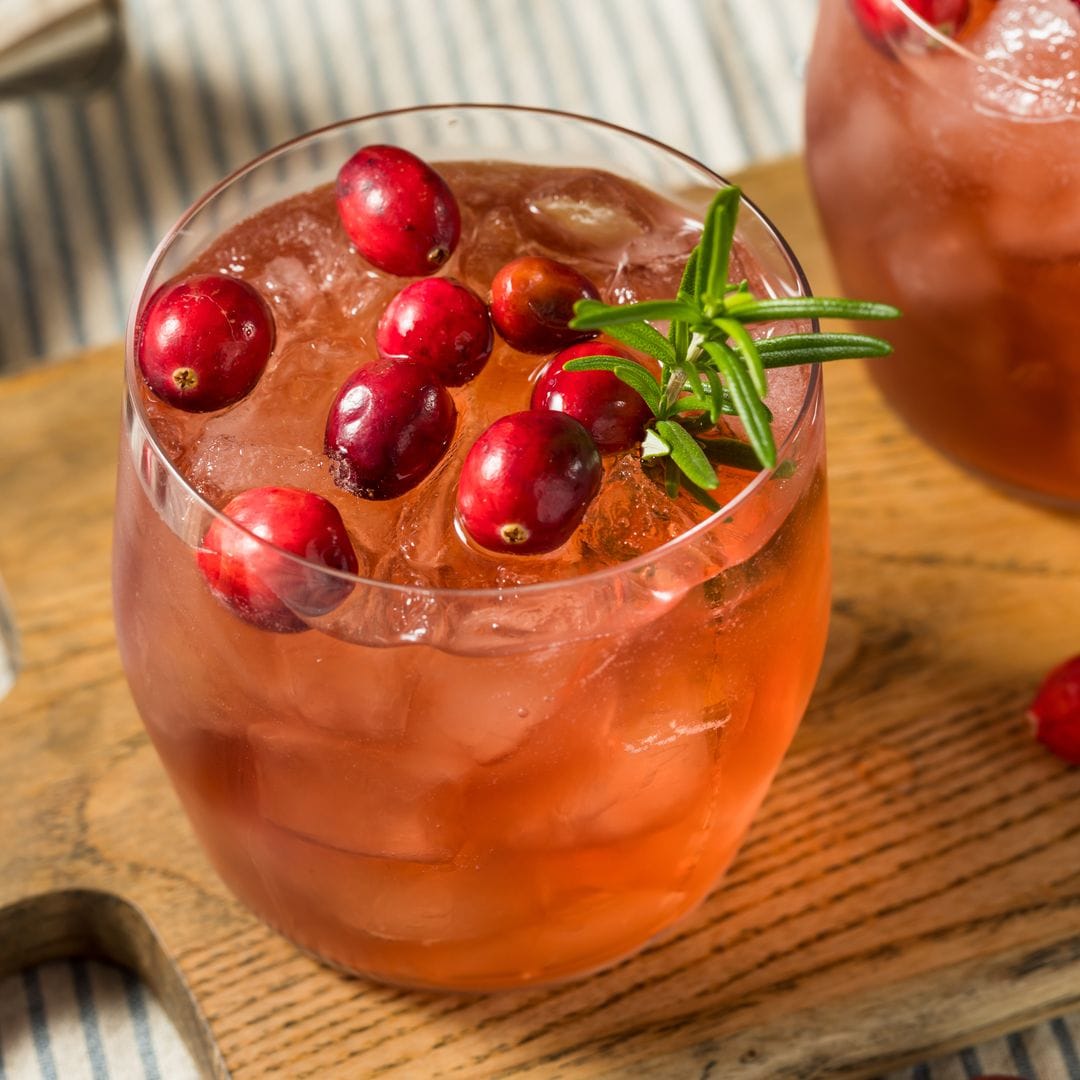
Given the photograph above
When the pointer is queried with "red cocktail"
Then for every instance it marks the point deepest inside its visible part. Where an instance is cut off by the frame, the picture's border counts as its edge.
(445, 766)
(946, 165)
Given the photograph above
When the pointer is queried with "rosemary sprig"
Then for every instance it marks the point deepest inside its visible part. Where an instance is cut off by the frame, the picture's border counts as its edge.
(710, 363)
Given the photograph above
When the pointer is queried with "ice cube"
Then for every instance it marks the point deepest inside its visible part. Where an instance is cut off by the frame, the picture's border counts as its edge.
(592, 212)
(596, 922)
(289, 286)
(497, 239)
(1032, 49)
(425, 526)
(221, 466)
(347, 794)
(445, 904)
(633, 513)
(394, 899)
(490, 705)
(674, 678)
(412, 613)
(350, 690)
(651, 267)
(616, 791)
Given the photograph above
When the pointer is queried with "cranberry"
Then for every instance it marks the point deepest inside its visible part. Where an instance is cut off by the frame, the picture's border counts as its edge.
(441, 324)
(532, 300)
(397, 210)
(1055, 712)
(527, 482)
(203, 343)
(260, 584)
(387, 428)
(882, 20)
(613, 413)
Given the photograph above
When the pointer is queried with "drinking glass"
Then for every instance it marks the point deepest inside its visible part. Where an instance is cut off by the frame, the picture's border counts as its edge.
(481, 788)
(947, 174)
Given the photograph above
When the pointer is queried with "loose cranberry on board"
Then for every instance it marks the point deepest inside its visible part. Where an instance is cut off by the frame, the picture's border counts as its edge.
(1055, 711)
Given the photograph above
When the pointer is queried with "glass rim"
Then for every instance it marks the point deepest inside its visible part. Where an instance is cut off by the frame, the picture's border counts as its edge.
(803, 416)
(943, 40)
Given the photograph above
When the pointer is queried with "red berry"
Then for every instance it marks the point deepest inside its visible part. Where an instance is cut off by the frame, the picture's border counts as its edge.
(260, 584)
(399, 212)
(203, 343)
(440, 324)
(1055, 712)
(881, 20)
(388, 427)
(613, 413)
(532, 300)
(527, 482)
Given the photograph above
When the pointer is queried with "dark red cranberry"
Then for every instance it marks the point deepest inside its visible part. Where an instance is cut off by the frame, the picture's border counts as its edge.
(527, 482)
(388, 427)
(1055, 712)
(613, 413)
(397, 210)
(882, 21)
(202, 343)
(440, 324)
(260, 584)
(532, 300)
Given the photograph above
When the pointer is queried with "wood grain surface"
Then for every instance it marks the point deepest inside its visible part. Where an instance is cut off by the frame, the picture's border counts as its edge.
(912, 883)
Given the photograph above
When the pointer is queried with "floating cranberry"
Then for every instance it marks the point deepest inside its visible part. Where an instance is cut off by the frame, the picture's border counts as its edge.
(399, 212)
(202, 343)
(387, 428)
(613, 413)
(253, 577)
(527, 482)
(532, 301)
(440, 324)
(1055, 712)
(881, 20)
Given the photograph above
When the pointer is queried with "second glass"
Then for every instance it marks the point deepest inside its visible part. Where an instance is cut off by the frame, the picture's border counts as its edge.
(946, 166)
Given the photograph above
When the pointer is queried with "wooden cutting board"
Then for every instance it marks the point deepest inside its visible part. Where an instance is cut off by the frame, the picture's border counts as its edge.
(912, 883)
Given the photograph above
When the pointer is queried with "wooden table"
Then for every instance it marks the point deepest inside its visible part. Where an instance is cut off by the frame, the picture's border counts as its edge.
(912, 884)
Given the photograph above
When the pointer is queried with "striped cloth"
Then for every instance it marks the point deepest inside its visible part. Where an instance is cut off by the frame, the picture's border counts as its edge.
(89, 184)
(86, 1021)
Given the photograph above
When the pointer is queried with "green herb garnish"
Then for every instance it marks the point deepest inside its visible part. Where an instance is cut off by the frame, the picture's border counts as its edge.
(710, 364)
